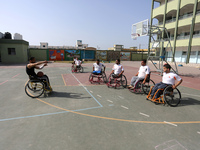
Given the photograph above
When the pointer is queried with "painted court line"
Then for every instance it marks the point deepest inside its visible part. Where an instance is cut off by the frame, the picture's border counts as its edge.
(124, 107)
(144, 114)
(48, 114)
(16, 75)
(110, 101)
(3, 82)
(198, 132)
(121, 97)
(99, 95)
(170, 123)
(64, 80)
(86, 89)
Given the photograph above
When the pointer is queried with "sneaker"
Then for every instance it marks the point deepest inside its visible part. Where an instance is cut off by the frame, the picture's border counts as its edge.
(48, 88)
(130, 86)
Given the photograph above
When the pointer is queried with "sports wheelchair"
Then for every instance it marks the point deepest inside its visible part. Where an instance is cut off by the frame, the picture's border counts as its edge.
(36, 87)
(98, 78)
(117, 81)
(143, 88)
(169, 96)
(77, 69)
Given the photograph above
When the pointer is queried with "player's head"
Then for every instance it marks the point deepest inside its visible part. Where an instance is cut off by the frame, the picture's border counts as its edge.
(118, 61)
(166, 68)
(97, 61)
(32, 60)
(143, 62)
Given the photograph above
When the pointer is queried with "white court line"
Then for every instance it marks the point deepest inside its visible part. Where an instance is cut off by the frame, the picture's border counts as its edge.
(99, 95)
(110, 101)
(124, 107)
(170, 123)
(121, 97)
(144, 114)
(91, 92)
(86, 89)
(198, 132)
(191, 94)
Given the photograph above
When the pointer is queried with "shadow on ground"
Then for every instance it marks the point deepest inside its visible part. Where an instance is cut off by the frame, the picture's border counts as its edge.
(67, 95)
(186, 101)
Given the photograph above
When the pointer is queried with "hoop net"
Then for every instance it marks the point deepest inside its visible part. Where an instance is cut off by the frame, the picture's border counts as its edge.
(134, 36)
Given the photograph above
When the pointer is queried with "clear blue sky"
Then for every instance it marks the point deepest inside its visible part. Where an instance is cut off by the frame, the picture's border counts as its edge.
(62, 22)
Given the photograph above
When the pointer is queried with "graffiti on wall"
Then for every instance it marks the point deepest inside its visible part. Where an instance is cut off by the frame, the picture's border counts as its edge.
(112, 55)
(126, 56)
(56, 55)
(102, 55)
(70, 54)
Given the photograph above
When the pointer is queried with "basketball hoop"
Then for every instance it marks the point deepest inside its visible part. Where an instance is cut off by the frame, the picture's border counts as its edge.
(134, 36)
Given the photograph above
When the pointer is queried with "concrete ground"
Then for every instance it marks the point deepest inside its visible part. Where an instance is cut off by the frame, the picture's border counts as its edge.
(80, 115)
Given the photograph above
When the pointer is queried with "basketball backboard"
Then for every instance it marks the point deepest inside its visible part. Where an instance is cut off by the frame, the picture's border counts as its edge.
(140, 29)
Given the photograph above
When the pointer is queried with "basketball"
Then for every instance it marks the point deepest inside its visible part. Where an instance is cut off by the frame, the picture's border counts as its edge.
(40, 74)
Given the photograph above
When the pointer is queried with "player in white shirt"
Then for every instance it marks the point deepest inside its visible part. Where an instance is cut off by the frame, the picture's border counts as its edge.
(97, 67)
(143, 73)
(117, 69)
(77, 63)
(168, 78)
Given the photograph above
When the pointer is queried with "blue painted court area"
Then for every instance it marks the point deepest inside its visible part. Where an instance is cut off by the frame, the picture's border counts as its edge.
(91, 116)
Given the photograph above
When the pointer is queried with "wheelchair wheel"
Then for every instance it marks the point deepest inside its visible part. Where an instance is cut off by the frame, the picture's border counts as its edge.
(109, 80)
(81, 69)
(90, 78)
(105, 80)
(34, 89)
(72, 69)
(123, 81)
(172, 96)
(146, 87)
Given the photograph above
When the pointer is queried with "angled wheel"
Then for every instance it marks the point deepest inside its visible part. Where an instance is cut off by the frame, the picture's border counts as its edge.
(72, 69)
(109, 81)
(81, 69)
(147, 86)
(34, 89)
(123, 81)
(172, 96)
(90, 78)
(105, 80)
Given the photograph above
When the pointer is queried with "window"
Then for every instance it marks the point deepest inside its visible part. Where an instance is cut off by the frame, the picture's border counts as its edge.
(193, 53)
(184, 52)
(11, 51)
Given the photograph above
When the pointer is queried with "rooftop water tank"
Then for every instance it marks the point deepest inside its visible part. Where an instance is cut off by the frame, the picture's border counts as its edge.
(17, 36)
(7, 35)
(1, 35)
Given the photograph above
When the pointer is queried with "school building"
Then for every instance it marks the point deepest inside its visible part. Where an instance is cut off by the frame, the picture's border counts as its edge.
(182, 20)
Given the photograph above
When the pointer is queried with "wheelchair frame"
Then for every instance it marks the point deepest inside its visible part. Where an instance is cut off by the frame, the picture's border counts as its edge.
(140, 87)
(99, 78)
(36, 87)
(79, 69)
(166, 97)
(116, 82)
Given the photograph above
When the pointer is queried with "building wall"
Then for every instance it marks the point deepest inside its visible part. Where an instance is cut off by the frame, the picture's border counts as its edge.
(21, 48)
(39, 54)
(188, 34)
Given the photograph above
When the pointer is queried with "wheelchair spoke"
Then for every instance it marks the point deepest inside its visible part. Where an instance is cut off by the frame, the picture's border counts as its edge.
(34, 89)
(172, 96)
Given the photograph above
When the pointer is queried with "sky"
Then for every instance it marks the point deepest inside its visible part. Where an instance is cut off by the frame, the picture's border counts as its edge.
(101, 23)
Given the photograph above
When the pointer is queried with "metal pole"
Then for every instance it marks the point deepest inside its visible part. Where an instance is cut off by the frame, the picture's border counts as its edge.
(191, 31)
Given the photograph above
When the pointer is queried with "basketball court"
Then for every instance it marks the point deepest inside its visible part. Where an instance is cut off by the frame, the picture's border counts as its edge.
(81, 115)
